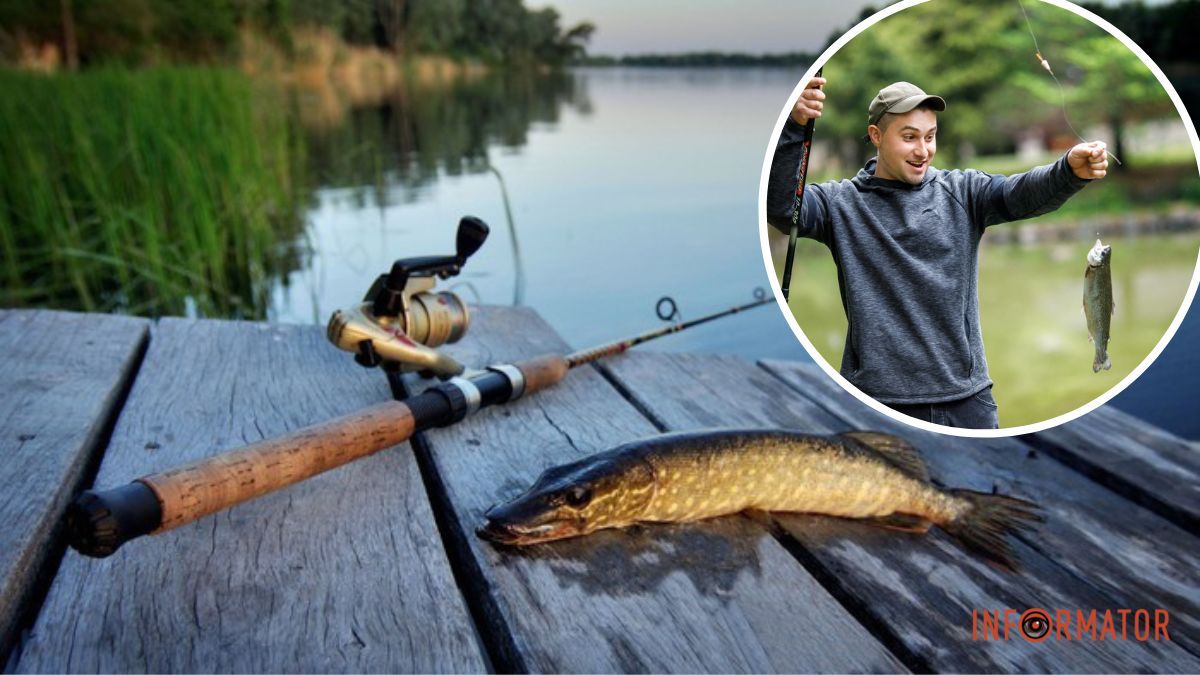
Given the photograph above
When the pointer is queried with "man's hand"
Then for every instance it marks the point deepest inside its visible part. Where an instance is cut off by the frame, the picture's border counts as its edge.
(1089, 161)
(809, 104)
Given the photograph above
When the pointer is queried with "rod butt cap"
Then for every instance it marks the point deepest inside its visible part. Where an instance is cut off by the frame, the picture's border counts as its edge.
(98, 523)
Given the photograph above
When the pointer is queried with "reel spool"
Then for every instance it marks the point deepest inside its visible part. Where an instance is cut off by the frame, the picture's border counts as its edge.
(402, 319)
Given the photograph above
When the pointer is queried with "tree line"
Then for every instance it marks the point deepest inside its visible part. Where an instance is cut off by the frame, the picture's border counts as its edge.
(137, 32)
(981, 58)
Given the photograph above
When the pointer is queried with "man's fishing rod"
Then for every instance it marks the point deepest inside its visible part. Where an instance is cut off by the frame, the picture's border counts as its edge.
(99, 522)
(786, 284)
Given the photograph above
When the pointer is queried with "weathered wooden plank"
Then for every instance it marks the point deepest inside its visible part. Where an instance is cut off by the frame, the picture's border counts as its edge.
(917, 592)
(1149, 465)
(718, 597)
(1133, 557)
(62, 377)
(344, 572)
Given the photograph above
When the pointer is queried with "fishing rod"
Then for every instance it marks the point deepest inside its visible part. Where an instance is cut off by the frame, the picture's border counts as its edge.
(579, 358)
(786, 284)
(98, 522)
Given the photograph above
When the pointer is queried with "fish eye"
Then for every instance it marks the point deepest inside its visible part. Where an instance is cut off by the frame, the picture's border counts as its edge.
(577, 497)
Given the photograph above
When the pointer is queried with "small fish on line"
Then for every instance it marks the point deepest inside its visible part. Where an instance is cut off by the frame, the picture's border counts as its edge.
(689, 476)
(1098, 302)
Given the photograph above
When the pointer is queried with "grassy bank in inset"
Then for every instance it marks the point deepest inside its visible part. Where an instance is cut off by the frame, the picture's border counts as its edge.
(165, 191)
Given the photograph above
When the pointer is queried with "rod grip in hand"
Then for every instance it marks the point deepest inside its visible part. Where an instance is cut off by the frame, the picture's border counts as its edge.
(99, 522)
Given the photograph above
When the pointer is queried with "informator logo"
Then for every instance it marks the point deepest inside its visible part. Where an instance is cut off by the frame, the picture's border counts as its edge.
(1037, 625)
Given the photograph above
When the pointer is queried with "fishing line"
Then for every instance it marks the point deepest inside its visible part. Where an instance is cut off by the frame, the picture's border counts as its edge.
(518, 267)
(1062, 94)
(470, 287)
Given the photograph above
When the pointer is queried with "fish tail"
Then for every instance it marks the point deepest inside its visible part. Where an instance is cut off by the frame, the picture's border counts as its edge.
(1101, 362)
(987, 522)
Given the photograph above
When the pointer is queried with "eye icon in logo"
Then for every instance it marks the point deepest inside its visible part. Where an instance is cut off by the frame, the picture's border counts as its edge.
(1035, 624)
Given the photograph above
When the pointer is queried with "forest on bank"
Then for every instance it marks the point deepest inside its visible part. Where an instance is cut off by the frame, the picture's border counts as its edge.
(146, 32)
(140, 32)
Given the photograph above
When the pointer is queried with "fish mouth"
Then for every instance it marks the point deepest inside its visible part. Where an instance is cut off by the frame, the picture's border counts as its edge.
(516, 534)
(521, 524)
(1099, 254)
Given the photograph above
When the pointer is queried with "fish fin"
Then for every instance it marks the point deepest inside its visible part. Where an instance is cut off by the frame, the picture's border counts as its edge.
(903, 522)
(988, 521)
(894, 449)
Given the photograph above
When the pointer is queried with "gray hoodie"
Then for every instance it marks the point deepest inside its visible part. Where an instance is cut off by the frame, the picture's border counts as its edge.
(907, 259)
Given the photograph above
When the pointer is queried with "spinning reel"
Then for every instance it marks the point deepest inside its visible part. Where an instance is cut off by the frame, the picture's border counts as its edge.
(402, 318)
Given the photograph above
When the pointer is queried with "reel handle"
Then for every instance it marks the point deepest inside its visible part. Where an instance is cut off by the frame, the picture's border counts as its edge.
(388, 294)
(98, 522)
(472, 232)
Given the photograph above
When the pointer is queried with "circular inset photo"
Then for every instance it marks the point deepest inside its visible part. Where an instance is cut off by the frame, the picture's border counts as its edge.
(983, 218)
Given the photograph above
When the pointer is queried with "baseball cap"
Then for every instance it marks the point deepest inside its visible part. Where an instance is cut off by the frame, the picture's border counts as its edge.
(900, 97)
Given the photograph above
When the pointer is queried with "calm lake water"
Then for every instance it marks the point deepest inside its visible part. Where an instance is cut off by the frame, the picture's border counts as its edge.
(1167, 392)
(625, 185)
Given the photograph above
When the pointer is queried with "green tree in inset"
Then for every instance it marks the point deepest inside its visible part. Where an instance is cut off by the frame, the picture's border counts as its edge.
(1102, 82)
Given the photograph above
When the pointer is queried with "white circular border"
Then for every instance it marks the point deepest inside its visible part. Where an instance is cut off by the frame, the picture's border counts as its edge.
(833, 373)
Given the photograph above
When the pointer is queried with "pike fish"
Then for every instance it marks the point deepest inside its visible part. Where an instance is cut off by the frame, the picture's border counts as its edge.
(1098, 302)
(690, 476)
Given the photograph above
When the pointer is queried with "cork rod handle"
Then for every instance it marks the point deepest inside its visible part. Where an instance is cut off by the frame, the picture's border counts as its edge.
(98, 522)
(543, 371)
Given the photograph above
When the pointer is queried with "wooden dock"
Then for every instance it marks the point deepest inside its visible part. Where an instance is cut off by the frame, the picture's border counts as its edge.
(375, 566)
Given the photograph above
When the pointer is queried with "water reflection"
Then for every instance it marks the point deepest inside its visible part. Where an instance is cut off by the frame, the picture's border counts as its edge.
(625, 185)
(415, 133)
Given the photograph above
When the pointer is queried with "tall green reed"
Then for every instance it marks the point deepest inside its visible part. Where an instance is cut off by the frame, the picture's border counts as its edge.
(163, 191)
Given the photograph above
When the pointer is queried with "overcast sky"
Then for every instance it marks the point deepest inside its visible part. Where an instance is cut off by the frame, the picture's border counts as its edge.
(755, 26)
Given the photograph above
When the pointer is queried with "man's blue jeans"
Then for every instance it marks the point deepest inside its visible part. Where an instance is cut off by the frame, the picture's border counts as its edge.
(972, 412)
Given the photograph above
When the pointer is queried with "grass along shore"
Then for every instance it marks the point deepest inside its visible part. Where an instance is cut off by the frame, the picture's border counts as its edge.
(161, 191)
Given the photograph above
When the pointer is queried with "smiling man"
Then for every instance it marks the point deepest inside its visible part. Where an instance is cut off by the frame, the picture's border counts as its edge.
(905, 237)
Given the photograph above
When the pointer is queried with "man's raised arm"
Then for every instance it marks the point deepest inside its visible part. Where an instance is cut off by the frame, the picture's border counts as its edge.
(785, 167)
(1042, 189)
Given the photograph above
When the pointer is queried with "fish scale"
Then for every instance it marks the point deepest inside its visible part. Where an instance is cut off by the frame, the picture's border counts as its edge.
(691, 476)
(773, 473)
